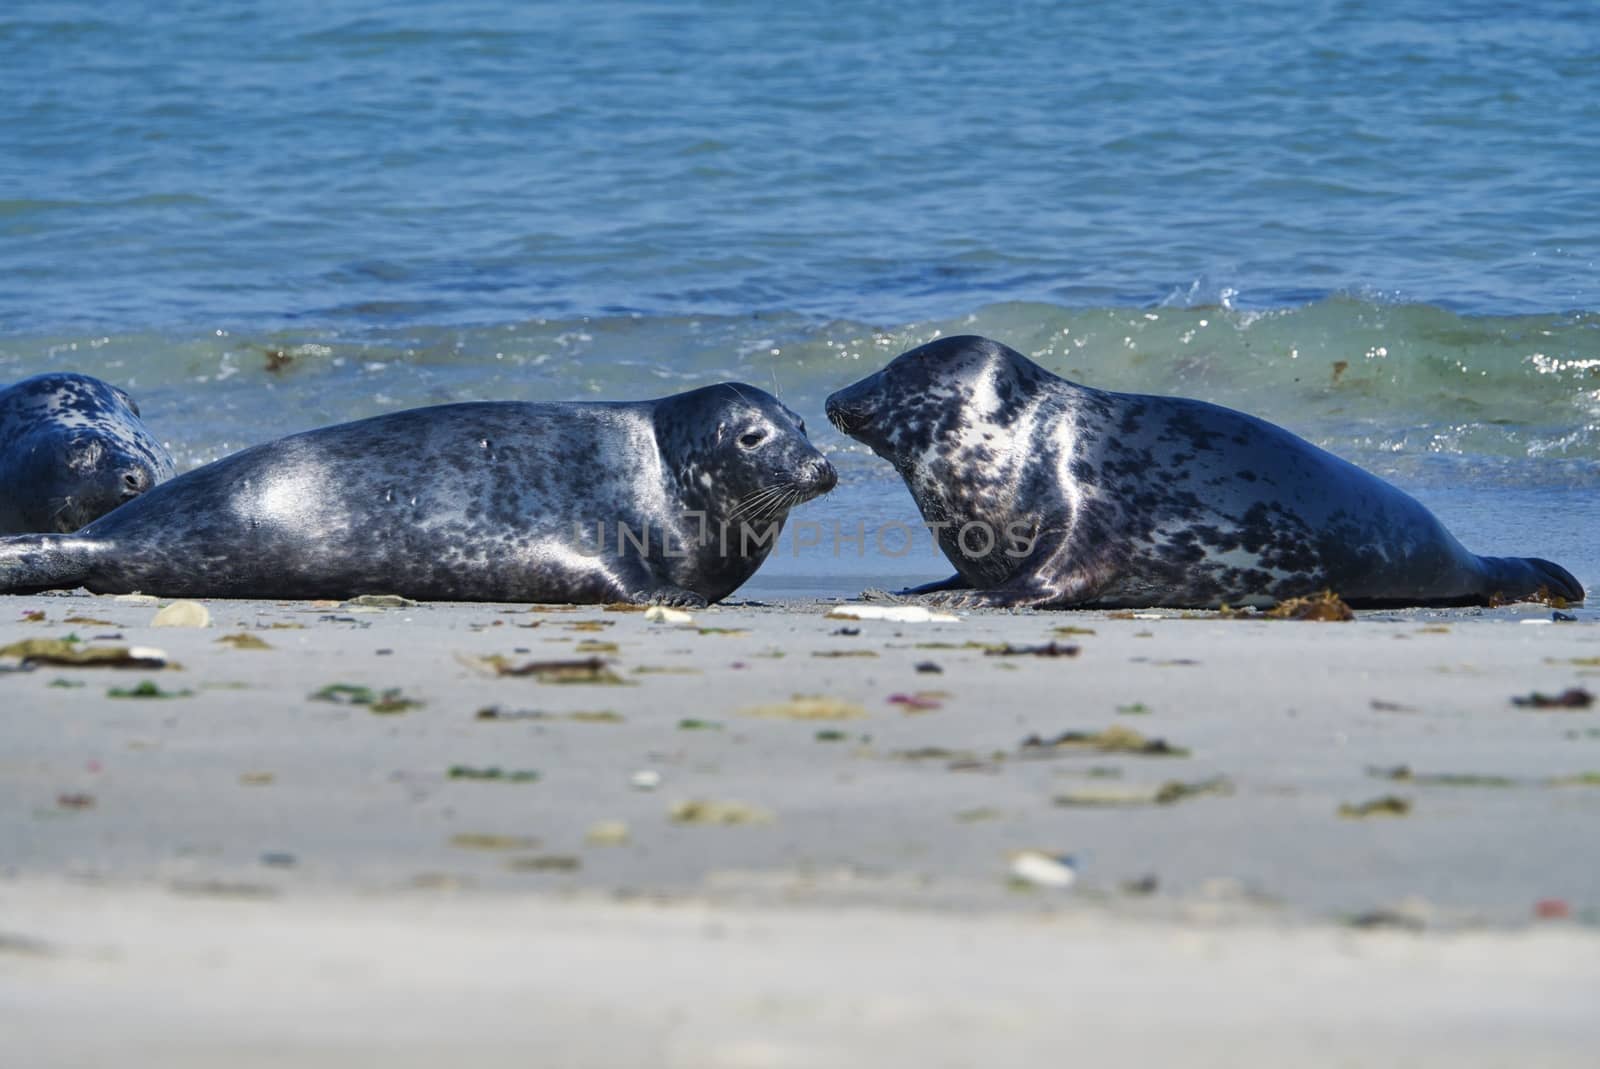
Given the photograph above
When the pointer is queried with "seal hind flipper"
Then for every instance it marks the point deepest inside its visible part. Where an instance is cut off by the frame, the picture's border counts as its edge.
(955, 582)
(31, 563)
(1521, 578)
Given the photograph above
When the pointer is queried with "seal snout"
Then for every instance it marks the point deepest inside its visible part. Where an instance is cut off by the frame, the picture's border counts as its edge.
(820, 477)
(850, 419)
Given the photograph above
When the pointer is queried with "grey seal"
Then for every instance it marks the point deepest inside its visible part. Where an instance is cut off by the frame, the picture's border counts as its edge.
(72, 448)
(481, 501)
(1050, 494)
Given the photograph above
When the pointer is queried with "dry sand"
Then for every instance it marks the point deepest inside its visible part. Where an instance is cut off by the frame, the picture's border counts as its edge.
(245, 874)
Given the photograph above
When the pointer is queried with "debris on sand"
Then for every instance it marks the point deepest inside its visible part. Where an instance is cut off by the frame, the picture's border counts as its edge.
(493, 774)
(1169, 793)
(471, 840)
(182, 614)
(1047, 649)
(384, 702)
(380, 601)
(1571, 698)
(1579, 779)
(582, 716)
(545, 863)
(711, 811)
(807, 707)
(577, 670)
(1390, 805)
(1397, 919)
(1542, 596)
(1114, 739)
(1040, 868)
(1404, 774)
(69, 651)
(1326, 606)
(243, 640)
(897, 614)
(147, 689)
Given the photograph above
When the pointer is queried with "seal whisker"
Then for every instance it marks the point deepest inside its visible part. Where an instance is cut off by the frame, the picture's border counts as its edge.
(780, 502)
(758, 501)
(746, 505)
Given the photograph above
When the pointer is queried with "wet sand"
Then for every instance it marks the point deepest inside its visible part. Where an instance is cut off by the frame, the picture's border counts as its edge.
(1310, 843)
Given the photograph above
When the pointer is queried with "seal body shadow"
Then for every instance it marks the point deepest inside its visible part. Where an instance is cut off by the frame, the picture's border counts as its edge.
(72, 448)
(489, 501)
(1130, 500)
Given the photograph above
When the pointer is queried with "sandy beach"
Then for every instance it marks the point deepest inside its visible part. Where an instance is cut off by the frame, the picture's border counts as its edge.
(771, 836)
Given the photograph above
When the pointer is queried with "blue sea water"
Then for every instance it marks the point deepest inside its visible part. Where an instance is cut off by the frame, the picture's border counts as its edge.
(1372, 222)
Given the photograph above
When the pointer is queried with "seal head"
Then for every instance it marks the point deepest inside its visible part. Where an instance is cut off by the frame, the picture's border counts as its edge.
(739, 461)
(72, 448)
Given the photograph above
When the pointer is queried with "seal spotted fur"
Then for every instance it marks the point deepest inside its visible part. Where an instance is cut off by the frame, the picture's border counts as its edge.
(487, 501)
(72, 448)
(1127, 500)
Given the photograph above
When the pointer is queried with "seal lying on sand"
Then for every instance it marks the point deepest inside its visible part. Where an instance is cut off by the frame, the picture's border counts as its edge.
(1051, 494)
(492, 501)
(72, 448)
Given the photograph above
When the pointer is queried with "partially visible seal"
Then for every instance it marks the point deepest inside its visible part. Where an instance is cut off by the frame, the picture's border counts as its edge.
(72, 448)
(493, 501)
(1051, 494)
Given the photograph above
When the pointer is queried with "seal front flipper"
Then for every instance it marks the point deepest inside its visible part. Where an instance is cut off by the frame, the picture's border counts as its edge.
(1056, 573)
(31, 563)
(671, 596)
(1026, 594)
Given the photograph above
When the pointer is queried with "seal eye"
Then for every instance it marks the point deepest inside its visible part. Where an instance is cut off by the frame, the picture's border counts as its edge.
(751, 439)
